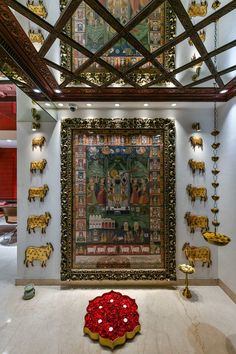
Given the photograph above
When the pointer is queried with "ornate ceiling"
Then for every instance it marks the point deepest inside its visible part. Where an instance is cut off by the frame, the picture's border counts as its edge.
(132, 50)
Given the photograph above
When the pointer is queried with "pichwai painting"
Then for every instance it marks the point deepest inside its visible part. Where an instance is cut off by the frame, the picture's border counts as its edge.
(121, 200)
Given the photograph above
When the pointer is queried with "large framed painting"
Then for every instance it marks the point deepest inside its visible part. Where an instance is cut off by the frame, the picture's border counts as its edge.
(96, 35)
(118, 199)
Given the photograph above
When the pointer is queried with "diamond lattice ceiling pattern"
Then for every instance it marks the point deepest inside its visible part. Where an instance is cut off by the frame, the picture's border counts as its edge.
(120, 49)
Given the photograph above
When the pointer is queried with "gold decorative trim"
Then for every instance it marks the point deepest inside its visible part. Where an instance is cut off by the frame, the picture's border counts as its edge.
(168, 128)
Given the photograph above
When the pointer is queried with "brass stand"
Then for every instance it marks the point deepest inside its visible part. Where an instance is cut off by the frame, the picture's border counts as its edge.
(186, 292)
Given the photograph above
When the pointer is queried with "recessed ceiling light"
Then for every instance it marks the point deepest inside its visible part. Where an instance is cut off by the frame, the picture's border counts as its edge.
(223, 91)
(9, 140)
(47, 104)
(57, 91)
(88, 104)
(117, 104)
(173, 104)
(146, 104)
(36, 90)
(60, 104)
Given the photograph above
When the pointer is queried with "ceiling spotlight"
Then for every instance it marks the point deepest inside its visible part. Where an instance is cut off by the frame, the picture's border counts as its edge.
(223, 91)
(57, 91)
(117, 104)
(146, 104)
(9, 140)
(47, 104)
(60, 104)
(37, 90)
(173, 105)
(88, 104)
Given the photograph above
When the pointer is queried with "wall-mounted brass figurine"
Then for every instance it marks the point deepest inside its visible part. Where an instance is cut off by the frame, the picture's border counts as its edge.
(216, 4)
(186, 269)
(197, 222)
(36, 36)
(216, 238)
(197, 192)
(38, 165)
(196, 140)
(202, 254)
(41, 254)
(39, 9)
(197, 165)
(38, 141)
(38, 221)
(197, 68)
(38, 192)
(202, 35)
(197, 9)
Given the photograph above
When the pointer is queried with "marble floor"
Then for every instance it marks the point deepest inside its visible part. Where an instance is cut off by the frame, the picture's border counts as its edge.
(52, 322)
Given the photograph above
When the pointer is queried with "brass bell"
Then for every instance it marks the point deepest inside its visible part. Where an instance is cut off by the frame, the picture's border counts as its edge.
(215, 145)
(215, 197)
(216, 4)
(216, 223)
(215, 158)
(215, 132)
(215, 171)
(215, 184)
(215, 210)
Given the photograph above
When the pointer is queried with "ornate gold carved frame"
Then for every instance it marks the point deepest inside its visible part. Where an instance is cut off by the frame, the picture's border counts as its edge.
(166, 128)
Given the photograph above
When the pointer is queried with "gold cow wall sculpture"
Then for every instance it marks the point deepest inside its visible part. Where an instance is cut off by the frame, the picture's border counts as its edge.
(197, 165)
(197, 192)
(193, 254)
(38, 221)
(41, 254)
(38, 141)
(196, 141)
(197, 222)
(38, 192)
(38, 165)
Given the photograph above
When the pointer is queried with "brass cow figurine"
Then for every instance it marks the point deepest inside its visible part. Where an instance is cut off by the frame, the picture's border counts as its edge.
(41, 254)
(193, 254)
(196, 192)
(196, 141)
(197, 222)
(36, 36)
(197, 165)
(197, 9)
(39, 9)
(38, 192)
(38, 165)
(38, 221)
(38, 141)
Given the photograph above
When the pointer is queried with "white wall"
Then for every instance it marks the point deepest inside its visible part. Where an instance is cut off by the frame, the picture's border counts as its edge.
(183, 118)
(227, 191)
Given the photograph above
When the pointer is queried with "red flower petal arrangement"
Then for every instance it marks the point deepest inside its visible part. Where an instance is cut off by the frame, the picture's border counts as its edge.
(111, 319)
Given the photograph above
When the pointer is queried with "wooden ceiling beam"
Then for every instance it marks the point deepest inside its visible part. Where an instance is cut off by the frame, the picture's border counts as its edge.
(187, 23)
(59, 25)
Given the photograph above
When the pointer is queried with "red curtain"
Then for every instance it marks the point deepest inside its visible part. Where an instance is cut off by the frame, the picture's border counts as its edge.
(7, 174)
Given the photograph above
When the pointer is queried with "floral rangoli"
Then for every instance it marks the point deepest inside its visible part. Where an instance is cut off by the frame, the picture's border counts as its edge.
(112, 318)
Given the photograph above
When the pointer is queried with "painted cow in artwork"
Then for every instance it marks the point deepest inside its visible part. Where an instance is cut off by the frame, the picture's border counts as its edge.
(193, 254)
(197, 222)
(41, 254)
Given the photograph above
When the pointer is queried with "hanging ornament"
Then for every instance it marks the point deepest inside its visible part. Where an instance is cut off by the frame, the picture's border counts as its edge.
(215, 237)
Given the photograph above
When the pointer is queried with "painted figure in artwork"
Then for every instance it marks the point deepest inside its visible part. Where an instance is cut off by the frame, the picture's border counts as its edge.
(101, 196)
(91, 196)
(143, 199)
(134, 199)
